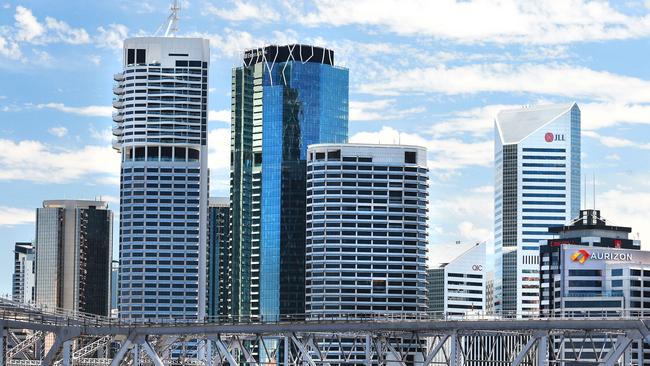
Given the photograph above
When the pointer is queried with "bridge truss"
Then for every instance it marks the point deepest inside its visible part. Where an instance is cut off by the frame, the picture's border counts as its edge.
(31, 337)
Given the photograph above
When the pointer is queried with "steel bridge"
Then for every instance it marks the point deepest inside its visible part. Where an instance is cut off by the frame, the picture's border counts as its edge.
(32, 336)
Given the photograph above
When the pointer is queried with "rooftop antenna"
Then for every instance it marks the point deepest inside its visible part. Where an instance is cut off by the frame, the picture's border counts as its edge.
(170, 25)
(594, 189)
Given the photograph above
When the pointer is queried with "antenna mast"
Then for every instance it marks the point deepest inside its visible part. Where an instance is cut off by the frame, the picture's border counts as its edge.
(170, 25)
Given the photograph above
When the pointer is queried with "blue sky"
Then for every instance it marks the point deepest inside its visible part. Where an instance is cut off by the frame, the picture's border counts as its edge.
(432, 73)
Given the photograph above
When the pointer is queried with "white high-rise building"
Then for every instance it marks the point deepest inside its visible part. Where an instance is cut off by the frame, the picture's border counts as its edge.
(537, 186)
(366, 229)
(24, 277)
(458, 287)
(161, 133)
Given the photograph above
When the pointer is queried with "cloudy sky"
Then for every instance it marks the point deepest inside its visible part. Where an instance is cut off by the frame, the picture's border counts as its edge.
(432, 73)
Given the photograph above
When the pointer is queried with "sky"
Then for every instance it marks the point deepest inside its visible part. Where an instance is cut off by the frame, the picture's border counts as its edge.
(431, 73)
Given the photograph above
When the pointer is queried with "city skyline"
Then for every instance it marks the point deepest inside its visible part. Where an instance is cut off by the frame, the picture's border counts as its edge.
(43, 126)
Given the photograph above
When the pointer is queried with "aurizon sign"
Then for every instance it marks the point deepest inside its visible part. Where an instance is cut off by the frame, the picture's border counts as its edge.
(582, 255)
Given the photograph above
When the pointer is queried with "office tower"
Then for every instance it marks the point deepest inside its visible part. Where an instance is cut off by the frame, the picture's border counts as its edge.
(74, 244)
(161, 133)
(592, 268)
(284, 98)
(587, 230)
(458, 287)
(218, 256)
(24, 277)
(537, 159)
(366, 230)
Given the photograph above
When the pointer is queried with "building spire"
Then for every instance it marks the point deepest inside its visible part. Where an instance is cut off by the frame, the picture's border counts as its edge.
(170, 25)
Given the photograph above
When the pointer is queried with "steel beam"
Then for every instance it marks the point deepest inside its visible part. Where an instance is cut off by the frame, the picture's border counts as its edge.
(453, 350)
(434, 351)
(225, 352)
(622, 342)
(542, 350)
(67, 353)
(301, 348)
(151, 353)
(126, 345)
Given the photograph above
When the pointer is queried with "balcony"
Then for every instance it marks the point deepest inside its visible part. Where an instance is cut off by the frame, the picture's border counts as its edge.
(117, 143)
(118, 90)
(118, 117)
(117, 130)
(117, 103)
(118, 77)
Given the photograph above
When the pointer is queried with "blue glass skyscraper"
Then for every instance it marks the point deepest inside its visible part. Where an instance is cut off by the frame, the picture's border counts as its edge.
(284, 98)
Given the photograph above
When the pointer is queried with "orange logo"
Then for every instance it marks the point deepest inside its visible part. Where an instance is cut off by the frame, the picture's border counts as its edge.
(580, 256)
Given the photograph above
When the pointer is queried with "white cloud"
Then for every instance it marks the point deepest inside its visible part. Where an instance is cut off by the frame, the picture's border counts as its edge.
(111, 37)
(480, 21)
(37, 162)
(10, 49)
(470, 232)
(547, 79)
(27, 26)
(58, 131)
(10, 216)
(220, 116)
(62, 31)
(91, 110)
(103, 135)
(445, 154)
(29, 29)
(381, 109)
(616, 142)
(219, 148)
(244, 10)
(477, 121)
(608, 114)
(229, 43)
(95, 59)
(627, 207)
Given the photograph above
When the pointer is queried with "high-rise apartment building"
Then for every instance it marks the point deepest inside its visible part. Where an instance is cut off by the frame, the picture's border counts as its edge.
(74, 245)
(218, 256)
(537, 186)
(284, 98)
(161, 133)
(23, 286)
(366, 230)
(458, 287)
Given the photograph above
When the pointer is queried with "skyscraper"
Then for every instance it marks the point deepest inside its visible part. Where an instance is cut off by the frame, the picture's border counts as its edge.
(537, 160)
(366, 230)
(161, 133)
(24, 277)
(74, 247)
(284, 98)
(218, 256)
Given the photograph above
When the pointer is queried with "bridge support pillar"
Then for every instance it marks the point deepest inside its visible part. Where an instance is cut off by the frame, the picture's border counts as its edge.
(542, 350)
(453, 350)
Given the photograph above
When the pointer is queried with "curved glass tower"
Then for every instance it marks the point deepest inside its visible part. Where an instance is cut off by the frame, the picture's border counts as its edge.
(160, 131)
(284, 98)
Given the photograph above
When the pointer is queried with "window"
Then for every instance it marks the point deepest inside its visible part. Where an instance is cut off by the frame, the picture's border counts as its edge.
(140, 57)
(130, 56)
(410, 157)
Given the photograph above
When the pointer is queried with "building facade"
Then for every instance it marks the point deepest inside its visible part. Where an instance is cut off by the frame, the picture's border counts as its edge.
(537, 186)
(284, 98)
(218, 257)
(23, 284)
(74, 248)
(366, 230)
(161, 132)
(458, 288)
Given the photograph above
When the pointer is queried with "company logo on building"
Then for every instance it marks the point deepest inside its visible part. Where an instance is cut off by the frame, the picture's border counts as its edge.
(580, 256)
(550, 137)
